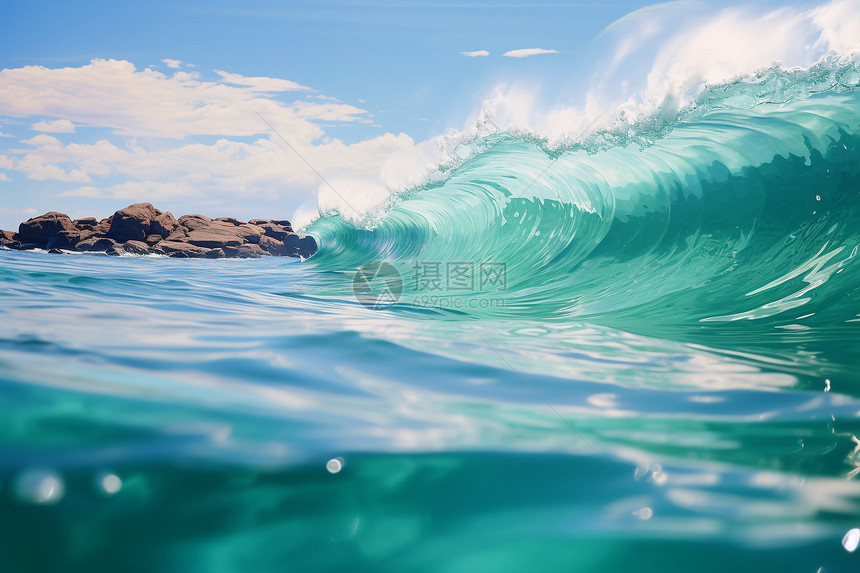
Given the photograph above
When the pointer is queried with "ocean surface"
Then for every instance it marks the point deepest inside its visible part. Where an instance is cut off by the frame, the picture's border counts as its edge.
(635, 352)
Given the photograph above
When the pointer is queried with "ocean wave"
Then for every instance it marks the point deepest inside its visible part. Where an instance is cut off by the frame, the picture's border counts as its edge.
(743, 206)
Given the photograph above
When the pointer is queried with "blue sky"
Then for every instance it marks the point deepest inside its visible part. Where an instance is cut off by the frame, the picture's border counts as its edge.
(401, 57)
(159, 101)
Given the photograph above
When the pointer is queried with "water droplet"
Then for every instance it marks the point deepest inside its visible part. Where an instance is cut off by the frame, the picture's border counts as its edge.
(851, 540)
(517, 214)
(334, 465)
(40, 486)
(537, 233)
(108, 483)
(826, 385)
(658, 476)
(818, 197)
(644, 514)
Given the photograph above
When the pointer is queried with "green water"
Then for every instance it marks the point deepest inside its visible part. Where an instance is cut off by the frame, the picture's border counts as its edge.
(661, 375)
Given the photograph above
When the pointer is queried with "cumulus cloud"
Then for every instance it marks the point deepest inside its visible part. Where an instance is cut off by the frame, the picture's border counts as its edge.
(4, 177)
(57, 126)
(36, 167)
(175, 64)
(42, 140)
(147, 103)
(476, 53)
(248, 163)
(526, 52)
(263, 168)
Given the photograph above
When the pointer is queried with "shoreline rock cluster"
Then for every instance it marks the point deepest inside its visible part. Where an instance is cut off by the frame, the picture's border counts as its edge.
(141, 229)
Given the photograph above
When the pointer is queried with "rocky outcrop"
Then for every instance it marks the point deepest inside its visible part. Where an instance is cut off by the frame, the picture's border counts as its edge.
(141, 229)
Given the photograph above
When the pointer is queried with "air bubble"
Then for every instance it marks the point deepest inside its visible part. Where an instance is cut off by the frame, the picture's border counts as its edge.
(851, 540)
(39, 486)
(334, 465)
(108, 483)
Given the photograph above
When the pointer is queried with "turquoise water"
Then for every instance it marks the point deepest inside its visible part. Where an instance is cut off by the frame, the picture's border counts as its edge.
(639, 352)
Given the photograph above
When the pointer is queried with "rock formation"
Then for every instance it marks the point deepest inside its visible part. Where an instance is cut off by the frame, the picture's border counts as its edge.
(141, 229)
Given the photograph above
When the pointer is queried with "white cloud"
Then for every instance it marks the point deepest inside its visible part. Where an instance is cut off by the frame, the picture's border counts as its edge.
(57, 126)
(264, 168)
(175, 64)
(87, 191)
(42, 140)
(525, 53)
(229, 175)
(25, 211)
(35, 167)
(147, 103)
(5, 134)
(134, 190)
(4, 177)
(476, 53)
(262, 84)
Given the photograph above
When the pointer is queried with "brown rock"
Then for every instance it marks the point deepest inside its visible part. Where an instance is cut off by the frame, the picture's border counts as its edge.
(188, 250)
(45, 227)
(244, 251)
(215, 235)
(8, 239)
(191, 222)
(128, 248)
(276, 231)
(141, 229)
(103, 227)
(251, 233)
(219, 234)
(133, 223)
(164, 225)
(136, 247)
(65, 240)
(85, 223)
(279, 222)
(231, 220)
(179, 234)
(273, 247)
(95, 244)
(88, 223)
